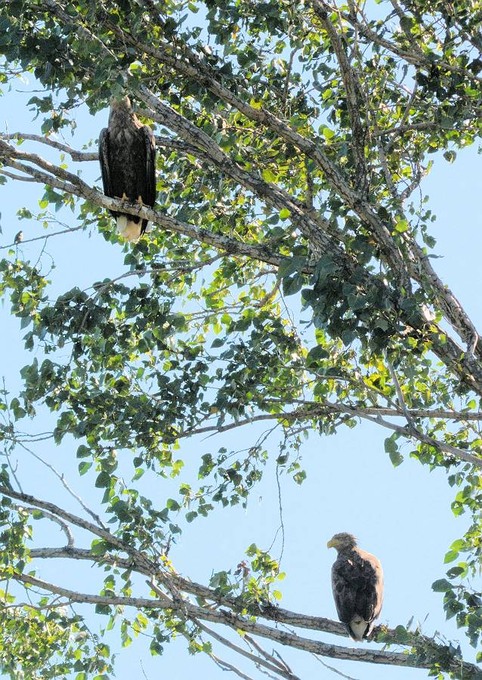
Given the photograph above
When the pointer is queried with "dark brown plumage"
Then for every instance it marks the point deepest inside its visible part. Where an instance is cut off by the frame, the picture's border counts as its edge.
(127, 154)
(357, 581)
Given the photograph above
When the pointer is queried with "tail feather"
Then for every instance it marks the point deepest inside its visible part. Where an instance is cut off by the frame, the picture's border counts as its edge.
(358, 628)
(128, 228)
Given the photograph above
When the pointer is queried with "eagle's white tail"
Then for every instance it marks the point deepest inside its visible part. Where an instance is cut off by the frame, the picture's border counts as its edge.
(358, 627)
(128, 229)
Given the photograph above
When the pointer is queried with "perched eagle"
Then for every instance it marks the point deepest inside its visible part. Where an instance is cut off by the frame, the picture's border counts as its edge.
(127, 154)
(357, 580)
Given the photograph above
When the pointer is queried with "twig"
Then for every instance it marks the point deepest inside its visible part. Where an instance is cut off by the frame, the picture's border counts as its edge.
(63, 525)
(284, 668)
(61, 478)
(333, 669)
(225, 666)
(257, 660)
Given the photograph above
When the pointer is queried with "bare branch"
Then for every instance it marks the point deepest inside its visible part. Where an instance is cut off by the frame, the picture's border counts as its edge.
(63, 525)
(65, 484)
(257, 660)
(275, 660)
(72, 184)
(334, 670)
(45, 236)
(225, 666)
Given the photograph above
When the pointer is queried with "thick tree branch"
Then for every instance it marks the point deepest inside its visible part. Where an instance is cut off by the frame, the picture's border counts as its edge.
(356, 101)
(256, 660)
(314, 227)
(310, 148)
(461, 363)
(176, 584)
(421, 269)
(276, 614)
(459, 668)
(188, 64)
(72, 184)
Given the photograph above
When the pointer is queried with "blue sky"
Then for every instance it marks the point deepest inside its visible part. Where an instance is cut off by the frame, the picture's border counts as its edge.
(402, 515)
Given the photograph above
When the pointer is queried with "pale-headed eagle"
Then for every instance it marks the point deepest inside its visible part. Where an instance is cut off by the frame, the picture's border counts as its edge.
(127, 154)
(357, 581)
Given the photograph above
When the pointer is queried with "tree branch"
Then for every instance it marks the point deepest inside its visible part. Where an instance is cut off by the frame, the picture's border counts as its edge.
(75, 155)
(355, 98)
(72, 184)
(459, 668)
(459, 362)
(269, 612)
(316, 410)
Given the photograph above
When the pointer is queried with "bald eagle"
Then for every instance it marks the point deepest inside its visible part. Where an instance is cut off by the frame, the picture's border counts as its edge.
(127, 154)
(357, 581)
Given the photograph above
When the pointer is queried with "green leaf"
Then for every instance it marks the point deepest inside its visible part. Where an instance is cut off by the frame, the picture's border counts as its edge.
(391, 447)
(401, 226)
(450, 556)
(172, 504)
(441, 586)
(299, 477)
(269, 176)
(455, 571)
(293, 285)
(83, 451)
(103, 480)
(402, 635)
(84, 467)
